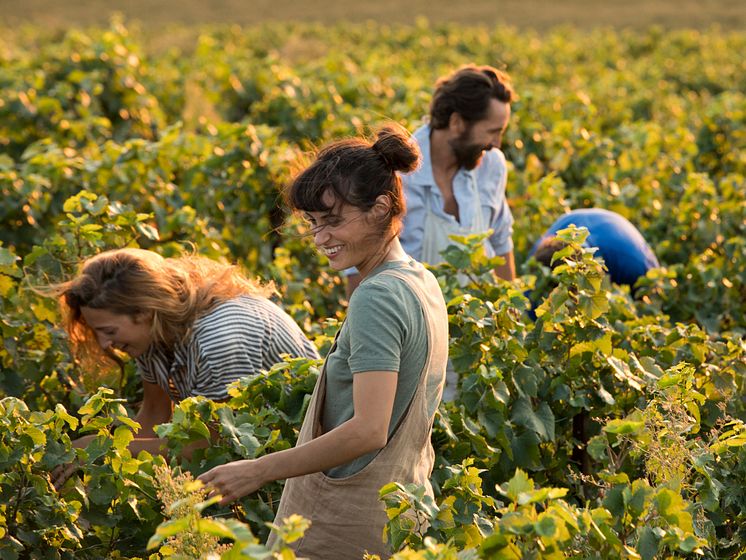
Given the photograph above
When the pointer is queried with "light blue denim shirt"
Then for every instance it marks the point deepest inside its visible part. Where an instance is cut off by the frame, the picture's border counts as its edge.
(491, 178)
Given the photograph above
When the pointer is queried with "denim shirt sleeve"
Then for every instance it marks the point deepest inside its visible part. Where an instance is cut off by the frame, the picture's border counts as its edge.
(413, 223)
(493, 180)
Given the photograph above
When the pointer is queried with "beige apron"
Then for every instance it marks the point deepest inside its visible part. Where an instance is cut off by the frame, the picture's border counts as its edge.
(347, 518)
(437, 228)
(435, 239)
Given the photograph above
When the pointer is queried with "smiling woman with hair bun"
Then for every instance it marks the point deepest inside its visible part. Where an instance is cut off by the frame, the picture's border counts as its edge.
(372, 410)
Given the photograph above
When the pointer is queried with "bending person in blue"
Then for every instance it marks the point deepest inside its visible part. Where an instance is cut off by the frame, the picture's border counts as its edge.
(622, 247)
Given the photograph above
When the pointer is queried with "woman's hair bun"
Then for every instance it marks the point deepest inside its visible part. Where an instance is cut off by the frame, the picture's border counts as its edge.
(397, 148)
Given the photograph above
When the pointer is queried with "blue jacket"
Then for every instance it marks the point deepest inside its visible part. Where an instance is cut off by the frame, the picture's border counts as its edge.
(623, 248)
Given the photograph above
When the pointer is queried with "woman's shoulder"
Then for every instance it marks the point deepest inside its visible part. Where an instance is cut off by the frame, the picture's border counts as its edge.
(240, 310)
(228, 324)
(393, 283)
(252, 313)
(406, 286)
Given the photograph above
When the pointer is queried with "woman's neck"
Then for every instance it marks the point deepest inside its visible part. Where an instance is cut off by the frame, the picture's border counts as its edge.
(392, 251)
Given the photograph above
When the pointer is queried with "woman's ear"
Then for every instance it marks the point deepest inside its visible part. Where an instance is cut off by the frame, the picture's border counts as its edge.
(143, 317)
(382, 206)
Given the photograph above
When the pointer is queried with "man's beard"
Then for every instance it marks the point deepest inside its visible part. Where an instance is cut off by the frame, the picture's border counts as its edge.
(467, 155)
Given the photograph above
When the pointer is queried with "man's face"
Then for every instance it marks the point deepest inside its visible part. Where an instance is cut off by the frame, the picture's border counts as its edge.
(476, 138)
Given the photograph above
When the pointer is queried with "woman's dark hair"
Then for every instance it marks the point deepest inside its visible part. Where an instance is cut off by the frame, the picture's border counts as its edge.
(546, 250)
(357, 172)
(468, 92)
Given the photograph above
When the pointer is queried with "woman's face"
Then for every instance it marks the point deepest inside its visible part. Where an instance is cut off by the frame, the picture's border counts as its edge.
(346, 236)
(126, 333)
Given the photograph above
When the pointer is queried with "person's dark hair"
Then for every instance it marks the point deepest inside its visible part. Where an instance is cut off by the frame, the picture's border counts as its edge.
(357, 172)
(546, 249)
(468, 92)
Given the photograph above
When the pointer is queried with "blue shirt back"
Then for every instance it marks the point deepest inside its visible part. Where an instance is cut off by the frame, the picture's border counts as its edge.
(623, 248)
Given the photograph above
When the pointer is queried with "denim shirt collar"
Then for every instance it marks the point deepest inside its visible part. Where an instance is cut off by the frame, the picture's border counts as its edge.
(423, 175)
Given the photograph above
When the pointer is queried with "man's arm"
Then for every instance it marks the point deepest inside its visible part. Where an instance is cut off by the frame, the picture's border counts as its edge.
(506, 271)
(413, 222)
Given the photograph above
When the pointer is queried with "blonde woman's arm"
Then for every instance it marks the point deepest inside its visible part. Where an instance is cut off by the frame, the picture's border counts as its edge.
(156, 409)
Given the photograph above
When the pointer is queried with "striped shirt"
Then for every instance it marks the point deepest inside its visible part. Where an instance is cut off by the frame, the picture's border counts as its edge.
(238, 337)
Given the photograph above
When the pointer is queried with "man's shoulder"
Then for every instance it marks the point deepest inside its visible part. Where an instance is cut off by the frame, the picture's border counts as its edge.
(491, 175)
(594, 217)
(422, 134)
(492, 160)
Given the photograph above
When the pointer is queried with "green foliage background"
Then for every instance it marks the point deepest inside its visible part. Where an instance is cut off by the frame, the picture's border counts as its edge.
(609, 427)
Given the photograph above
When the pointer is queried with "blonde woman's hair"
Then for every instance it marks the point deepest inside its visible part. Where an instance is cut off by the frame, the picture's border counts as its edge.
(173, 291)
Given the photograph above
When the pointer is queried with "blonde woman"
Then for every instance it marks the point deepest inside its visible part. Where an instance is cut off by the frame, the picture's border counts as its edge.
(193, 325)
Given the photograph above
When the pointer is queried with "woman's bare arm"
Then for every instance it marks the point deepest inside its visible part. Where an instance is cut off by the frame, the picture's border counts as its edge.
(373, 400)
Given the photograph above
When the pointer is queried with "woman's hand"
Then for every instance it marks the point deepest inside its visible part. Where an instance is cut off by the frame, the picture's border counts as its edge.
(234, 480)
(373, 395)
(61, 473)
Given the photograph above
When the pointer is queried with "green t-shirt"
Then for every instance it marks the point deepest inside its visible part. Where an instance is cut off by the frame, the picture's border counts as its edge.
(385, 330)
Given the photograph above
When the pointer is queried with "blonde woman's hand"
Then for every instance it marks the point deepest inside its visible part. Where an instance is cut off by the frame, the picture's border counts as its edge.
(61, 473)
(234, 480)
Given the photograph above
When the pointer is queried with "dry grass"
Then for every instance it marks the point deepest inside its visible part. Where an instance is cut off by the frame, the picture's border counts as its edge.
(538, 14)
